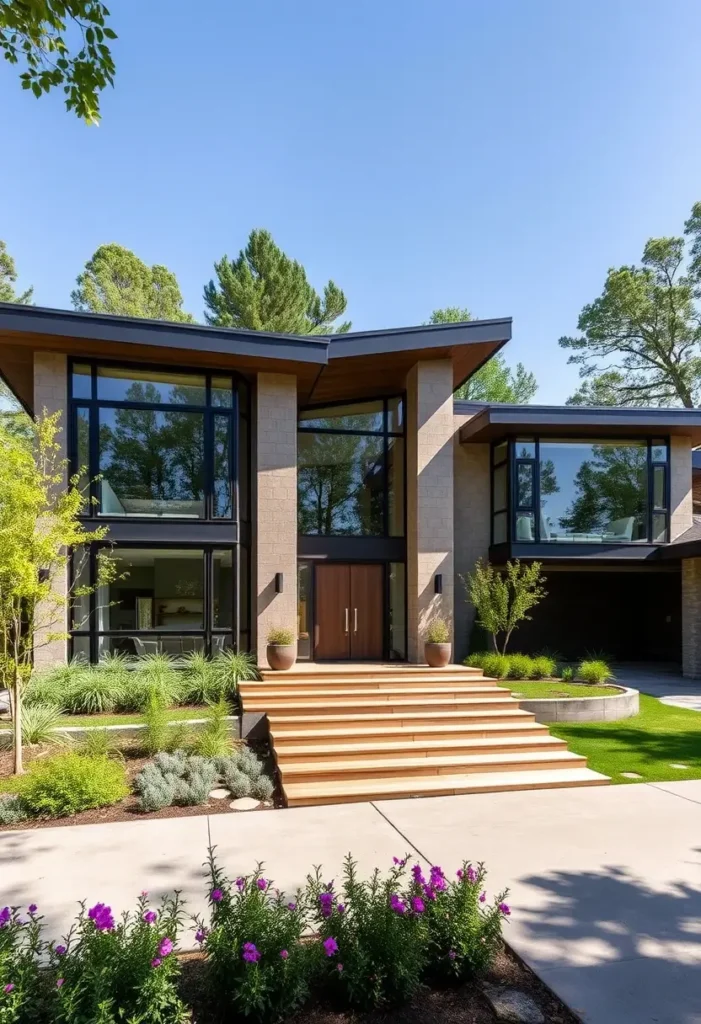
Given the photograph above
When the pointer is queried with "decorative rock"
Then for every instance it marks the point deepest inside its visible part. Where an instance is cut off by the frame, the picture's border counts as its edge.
(244, 803)
(631, 775)
(513, 1006)
(219, 794)
(685, 767)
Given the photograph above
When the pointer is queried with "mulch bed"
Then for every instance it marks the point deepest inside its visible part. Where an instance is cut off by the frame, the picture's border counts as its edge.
(127, 809)
(464, 1005)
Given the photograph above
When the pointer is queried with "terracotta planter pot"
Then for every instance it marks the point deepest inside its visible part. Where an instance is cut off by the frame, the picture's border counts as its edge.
(281, 656)
(437, 655)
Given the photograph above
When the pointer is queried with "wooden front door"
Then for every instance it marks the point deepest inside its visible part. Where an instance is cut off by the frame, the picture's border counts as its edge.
(349, 607)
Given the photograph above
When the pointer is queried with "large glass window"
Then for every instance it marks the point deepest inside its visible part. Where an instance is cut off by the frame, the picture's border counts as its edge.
(304, 610)
(350, 470)
(163, 444)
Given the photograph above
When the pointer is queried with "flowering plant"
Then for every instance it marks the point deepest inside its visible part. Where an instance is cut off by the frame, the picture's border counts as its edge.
(20, 981)
(257, 964)
(374, 937)
(107, 970)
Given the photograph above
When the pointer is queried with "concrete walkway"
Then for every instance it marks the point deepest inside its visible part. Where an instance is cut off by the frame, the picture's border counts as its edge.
(605, 883)
(663, 681)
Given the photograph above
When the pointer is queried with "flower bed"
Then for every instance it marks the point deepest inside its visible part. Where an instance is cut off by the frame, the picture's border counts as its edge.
(361, 945)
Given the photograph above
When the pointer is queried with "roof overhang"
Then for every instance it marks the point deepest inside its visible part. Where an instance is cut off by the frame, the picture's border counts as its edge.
(490, 422)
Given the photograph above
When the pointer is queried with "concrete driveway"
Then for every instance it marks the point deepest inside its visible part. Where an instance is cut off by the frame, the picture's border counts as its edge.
(663, 681)
(605, 882)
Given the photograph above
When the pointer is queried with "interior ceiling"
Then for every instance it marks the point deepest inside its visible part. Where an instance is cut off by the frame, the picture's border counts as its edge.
(481, 428)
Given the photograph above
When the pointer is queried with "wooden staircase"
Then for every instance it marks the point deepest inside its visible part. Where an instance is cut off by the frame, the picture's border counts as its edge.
(371, 732)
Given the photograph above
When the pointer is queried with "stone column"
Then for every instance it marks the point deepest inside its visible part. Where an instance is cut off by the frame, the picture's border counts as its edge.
(275, 537)
(430, 538)
(681, 498)
(472, 526)
(50, 396)
(691, 617)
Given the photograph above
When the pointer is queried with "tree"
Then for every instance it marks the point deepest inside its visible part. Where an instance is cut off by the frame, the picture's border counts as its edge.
(116, 281)
(8, 276)
(504, 598)
(641, 338)
(39, 526)
(264, 290)
(495, 381)
(33, 30)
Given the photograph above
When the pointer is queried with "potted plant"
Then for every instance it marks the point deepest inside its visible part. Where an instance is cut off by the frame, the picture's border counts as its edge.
(282, 649)
(437, 647)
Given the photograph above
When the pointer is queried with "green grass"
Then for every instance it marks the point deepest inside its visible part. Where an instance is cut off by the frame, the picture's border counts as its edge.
(556, 688)
(100, 721)
(647, 744)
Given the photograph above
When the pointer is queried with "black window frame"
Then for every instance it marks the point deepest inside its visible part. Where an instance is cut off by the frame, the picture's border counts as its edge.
(208, 410)
(514, 509)
(240, 615)
(387, 435)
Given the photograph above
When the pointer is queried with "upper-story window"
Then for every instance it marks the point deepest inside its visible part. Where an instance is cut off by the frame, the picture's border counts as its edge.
(350, 469)
(577, 491)
(163, 444)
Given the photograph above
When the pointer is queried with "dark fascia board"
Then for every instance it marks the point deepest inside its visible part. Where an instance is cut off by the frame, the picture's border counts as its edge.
(426, 336)
(486, 418)
(574, 554)
(105, 327)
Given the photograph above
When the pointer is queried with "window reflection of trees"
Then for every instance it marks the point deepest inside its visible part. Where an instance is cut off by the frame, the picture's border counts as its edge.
(341, 483)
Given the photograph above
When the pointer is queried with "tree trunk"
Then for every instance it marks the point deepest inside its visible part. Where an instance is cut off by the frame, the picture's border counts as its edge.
(17, 727)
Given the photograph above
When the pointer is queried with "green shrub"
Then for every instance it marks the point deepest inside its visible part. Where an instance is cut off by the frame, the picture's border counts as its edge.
(153, 674)
(594, 672)
(567, 674)
(520, 666)
(476, 660)
(156, 734)
(214, 738)
(438, 632)
(39, 722)
(238, 784)
(495, 666)
(280, 636)
(99, 743)
(207, 681)
(92, 692)
(543, 667)
(262, 788)
(51, 686)
(68, 783)
(12, 809)
(176, 778)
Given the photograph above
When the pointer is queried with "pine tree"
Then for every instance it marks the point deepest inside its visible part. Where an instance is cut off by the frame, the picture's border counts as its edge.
(116, 281)
(8, 276)
(264, 290)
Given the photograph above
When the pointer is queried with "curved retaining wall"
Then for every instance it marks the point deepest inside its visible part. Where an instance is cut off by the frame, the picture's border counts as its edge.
(584, 709)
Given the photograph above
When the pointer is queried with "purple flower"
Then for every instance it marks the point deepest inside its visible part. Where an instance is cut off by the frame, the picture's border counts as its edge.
(240, 882)
(418, 875)
(418, 905)
(429, 893)
(144, 894)
(471, 875)
(150, 916)
(250, 954)
(32, 908)
(284, 954)
(165, 947)
(155, 962)
(9, 988)
(292, 906)
(460, 873)
(341, 908)
(102, 918)
(438, 881)
(216, 896)
(505, 909)
(398, 862)
(452, 954)
(339, 968)
(261, 883)
(59, 982)
(200, 935)
(5, 915)
(60, 950)
(326, 901)
(398, 905)
(330, 947)
(483, 897)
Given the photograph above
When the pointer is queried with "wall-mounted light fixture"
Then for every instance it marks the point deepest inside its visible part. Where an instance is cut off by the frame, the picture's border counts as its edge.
(279, 582)
(438, 583)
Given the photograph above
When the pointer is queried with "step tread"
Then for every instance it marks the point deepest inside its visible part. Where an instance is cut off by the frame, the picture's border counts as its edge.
(417, 747)
(433, 785)
(456, 761)
(407, 733)
(359, 668)
(512, 711)
(372, 702)
(380, 694)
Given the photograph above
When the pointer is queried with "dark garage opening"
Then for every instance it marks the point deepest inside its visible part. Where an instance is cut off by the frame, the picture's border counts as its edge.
(622, 615)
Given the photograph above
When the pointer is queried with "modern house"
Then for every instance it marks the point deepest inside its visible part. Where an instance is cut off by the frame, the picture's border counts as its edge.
(334, 486)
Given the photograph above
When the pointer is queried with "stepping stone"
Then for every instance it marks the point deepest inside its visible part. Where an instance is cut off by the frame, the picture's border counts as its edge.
(244, 803)
(513, 1006)
(631, 775)
(219, 794)
(685, 767)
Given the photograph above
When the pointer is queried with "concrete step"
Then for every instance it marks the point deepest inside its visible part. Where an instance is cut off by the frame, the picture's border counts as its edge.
(340, 749)
(281, 723)
(398, 704)
(259, 689)
(421, 732)
(411, 767)
(358, 670)
(314, 792)
(264, 700)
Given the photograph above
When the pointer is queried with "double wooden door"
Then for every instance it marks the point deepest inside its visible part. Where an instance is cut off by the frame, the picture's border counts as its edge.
(349, 612)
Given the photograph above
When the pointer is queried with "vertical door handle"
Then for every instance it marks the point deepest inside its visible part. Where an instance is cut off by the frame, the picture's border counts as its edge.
(346, 620)
(355, 620)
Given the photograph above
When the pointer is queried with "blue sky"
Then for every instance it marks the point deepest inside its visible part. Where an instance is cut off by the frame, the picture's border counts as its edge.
(498, 155)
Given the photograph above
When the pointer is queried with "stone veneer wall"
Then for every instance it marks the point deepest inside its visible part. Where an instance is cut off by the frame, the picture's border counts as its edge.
(691, 617)
(472, 525)
(681, 496)
(275, 537)
(51, 395)
(430, 536)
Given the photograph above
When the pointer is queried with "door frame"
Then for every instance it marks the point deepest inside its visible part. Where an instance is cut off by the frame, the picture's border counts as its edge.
(385, 598)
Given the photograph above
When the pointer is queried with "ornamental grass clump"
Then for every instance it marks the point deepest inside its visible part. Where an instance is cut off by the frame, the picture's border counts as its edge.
(374, 936)
(214, 739)
(494, 666)
(520, 666)
(257, 965)
(543, 667)
(107, 970)
(594, 672)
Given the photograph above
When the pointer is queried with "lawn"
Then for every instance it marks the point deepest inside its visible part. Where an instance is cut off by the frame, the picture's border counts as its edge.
(556, 688)
(100, 721)
(648, 744)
